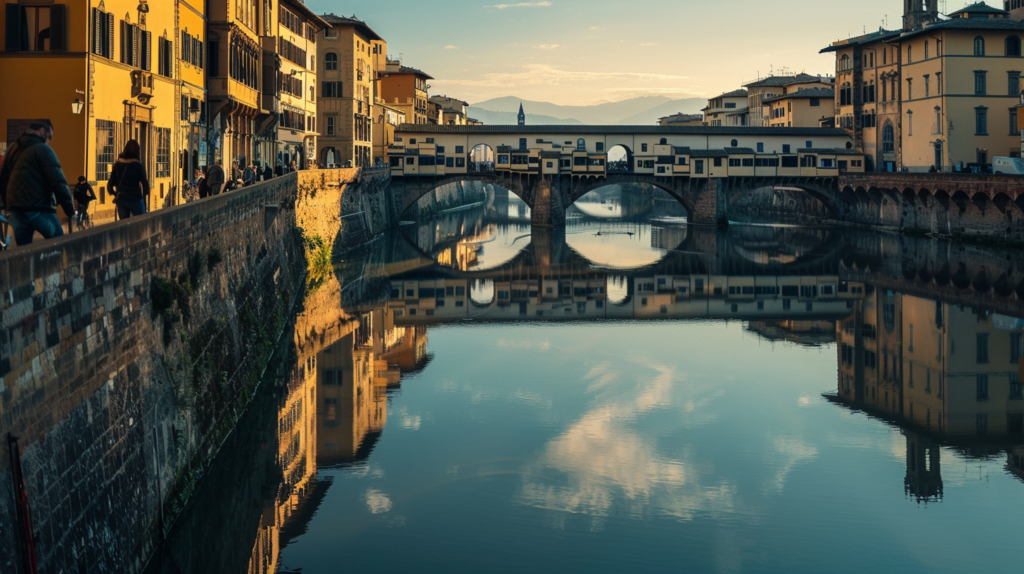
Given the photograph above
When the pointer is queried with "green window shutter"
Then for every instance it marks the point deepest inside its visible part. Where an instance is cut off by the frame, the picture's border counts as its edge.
(58, 28)
(12, 38)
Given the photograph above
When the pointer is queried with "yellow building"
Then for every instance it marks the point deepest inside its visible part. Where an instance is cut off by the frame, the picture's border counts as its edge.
(799, 108)
(406, 89)
(940, 94)
(297, 128)
(351, 59)
(728, 109)
(385, 120)
(454, 112)
(961, 85)
(111, 72)
(765, 88)
(190, 141)
(241, 77)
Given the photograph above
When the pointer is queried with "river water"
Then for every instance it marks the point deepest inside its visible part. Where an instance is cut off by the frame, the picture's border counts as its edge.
(632, 395)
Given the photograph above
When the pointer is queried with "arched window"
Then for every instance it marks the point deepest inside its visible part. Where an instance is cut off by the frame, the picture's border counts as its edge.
(845, 63)
(1013, 46)
(888, 139)
(734, 143)
(979, 46)
(581, 145)
(331, 62)
(664, 141)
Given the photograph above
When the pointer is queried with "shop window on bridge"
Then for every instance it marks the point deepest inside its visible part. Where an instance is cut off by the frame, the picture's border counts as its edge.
(581, 145)
(643, 147)
(503, 159)
(410, 161)
(828, 163)
(682, 161)
(767, 162)
(790, 161)
(808, 161)
(718, 162)
(440, 150)
(449, 162)
(460, 149)
(600, 146)
(566, 163)
(520, 159)
(579, 161)
(522, 143)
(698, 167)
(734, 162)
(748, 162)
(460, 162)
(396, 162)
(594, 161)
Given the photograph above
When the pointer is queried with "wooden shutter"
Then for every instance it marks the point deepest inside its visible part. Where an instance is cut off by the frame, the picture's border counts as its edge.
(58, 28)
(170, 58)
(13, 28)
(97, 32)
(135, 46)
(109, 52)
(147, 49)
(124, 42)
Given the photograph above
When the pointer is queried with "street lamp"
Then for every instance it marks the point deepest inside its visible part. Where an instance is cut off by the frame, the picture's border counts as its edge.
(77, 106)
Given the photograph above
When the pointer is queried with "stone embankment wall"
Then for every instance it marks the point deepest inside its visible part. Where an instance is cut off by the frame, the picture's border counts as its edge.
(129, 352)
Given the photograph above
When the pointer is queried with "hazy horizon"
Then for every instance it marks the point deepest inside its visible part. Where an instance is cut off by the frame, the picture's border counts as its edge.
(575, 52)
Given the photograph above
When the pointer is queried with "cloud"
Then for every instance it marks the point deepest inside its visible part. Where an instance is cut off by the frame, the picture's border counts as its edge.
(450, 47)
(378, 502)
(549, 46)
(596, 28)
(522, 5)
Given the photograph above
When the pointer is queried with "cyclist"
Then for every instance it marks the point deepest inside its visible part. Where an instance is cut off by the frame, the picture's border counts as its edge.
(84, 195)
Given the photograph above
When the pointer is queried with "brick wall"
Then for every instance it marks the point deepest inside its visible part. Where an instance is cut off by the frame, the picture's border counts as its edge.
(128, 353)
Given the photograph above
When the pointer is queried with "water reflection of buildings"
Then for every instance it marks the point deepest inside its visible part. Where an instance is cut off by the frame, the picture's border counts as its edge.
(946, 374)
(333, 412)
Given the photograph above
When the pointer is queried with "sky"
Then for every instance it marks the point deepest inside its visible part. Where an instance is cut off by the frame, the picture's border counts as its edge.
(585, 52)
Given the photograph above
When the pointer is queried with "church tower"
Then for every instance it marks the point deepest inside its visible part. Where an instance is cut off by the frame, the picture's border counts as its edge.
(522, 115)
(918, 13)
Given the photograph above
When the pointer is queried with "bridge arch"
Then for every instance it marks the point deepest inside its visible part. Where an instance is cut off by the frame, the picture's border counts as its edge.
(620, 159)
(584, 185)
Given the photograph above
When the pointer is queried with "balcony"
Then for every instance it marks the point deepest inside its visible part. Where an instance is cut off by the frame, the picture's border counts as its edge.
(142, 86)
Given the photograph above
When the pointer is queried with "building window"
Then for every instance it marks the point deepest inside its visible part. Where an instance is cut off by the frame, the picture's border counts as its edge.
(331, 62)
(163, 152)
(165, 57)
(910, 88)
(522, 143)
(910, 54)
(581, 145)
(980, 83)
(888, 139)
(938, 83)
(102, 33)
(981, 121)
(982, 348)
(330, 125)
(982, 387)
(106, 146)
(910, 123)
(785, 148)
(1013, 122)
(927, 86)
(846, 95)
(36, 28)
(600, 146)
(979, 46)
(1013, 84)
(331, 90)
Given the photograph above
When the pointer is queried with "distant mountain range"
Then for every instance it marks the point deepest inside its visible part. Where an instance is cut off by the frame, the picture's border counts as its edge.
(637, 111)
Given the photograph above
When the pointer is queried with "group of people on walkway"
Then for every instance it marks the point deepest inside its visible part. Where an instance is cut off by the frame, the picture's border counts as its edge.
(33, 186)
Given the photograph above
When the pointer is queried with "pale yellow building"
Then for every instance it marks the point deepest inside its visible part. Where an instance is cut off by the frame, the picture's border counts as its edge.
(352, 57)
(297, 128)
(961, 85)
(776, 85)
(940, 94)
(454, 112)
(728, 109)
(682, 120)
(799, 108)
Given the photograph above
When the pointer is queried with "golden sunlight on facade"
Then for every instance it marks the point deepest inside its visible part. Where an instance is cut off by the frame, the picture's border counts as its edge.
(115, 70)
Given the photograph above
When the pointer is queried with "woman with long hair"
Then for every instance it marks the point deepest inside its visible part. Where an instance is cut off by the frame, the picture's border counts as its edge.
(129, 182)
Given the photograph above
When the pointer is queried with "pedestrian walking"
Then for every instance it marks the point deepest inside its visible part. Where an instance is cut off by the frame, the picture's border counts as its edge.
(268, 173)
(279, 170)
(248, 176)
(32, 185)
(129, 182)
(215, 178)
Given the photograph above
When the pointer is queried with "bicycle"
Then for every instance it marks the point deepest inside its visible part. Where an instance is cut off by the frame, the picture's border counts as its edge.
(82, 220)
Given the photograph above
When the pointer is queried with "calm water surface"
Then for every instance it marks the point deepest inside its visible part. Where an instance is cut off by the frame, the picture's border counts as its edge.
(637, 395)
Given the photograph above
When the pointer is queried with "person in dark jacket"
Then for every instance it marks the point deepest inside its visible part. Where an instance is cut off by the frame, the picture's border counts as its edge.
(129, 182)
(248, 176)
(32, 185)
(279, 170)
(268, 173)
(215, 178)
(84, 195)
